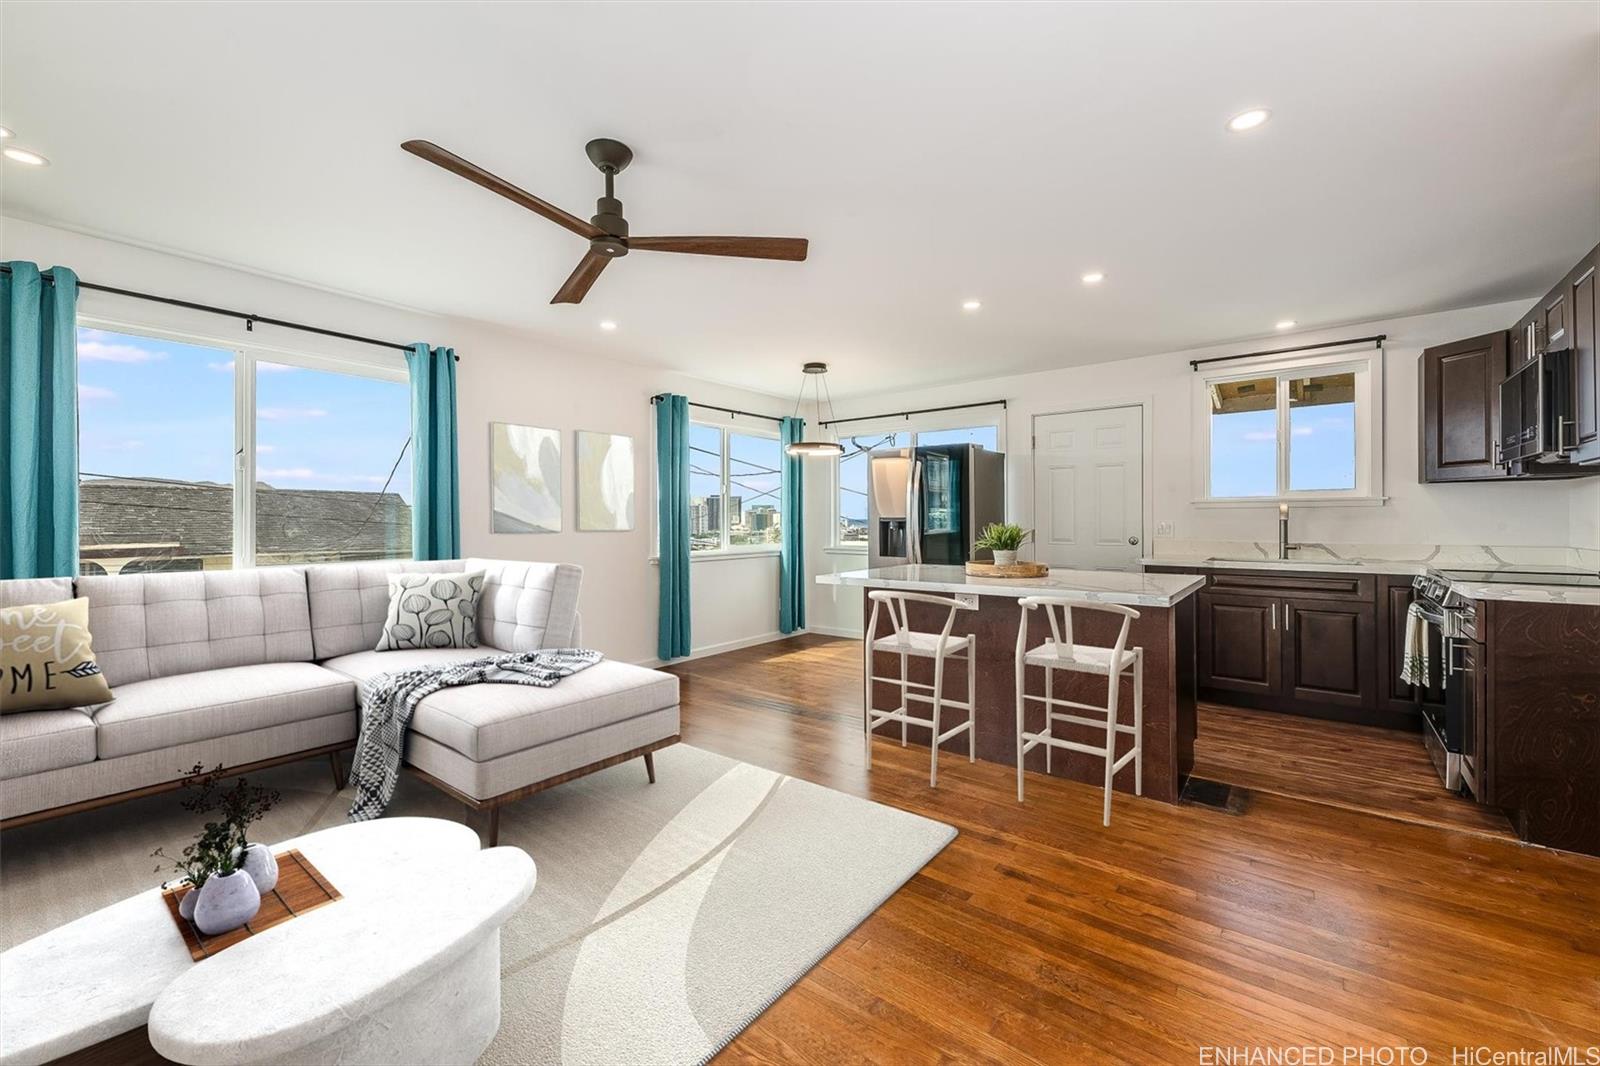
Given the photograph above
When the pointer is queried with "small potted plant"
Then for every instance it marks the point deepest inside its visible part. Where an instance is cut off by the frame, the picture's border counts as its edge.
(1003, 539)
(227, 872)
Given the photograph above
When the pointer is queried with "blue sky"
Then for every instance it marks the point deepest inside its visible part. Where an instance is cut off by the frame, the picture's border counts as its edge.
(1322, 450)
(161, 409)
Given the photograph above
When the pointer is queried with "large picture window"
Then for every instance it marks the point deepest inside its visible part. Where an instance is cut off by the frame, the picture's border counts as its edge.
(850, 501)
(198, 457)
(1304, 429)
(735, 489)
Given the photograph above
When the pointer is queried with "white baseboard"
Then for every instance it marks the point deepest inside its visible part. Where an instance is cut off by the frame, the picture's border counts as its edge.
(835, 631)
(727, 645)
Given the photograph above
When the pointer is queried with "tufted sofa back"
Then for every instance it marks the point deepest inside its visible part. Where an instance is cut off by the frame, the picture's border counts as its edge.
(524, 606)
(153, 625)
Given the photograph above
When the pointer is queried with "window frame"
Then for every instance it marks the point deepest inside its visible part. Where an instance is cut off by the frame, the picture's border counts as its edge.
(1368, 368)
(897, 424)
(245, 358)
(729, 550)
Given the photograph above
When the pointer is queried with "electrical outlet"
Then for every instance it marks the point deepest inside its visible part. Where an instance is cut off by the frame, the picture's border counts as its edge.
(1163, 529)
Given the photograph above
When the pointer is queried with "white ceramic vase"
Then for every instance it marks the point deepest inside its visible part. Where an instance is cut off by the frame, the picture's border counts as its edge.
(227, 901)
(186, 904)
(1005, 558)
(258, 861)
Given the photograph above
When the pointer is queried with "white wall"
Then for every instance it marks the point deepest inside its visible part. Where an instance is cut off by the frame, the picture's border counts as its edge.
(1518, 513)
(502, 376)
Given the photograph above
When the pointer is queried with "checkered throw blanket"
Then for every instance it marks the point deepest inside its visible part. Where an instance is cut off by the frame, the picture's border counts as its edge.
(389, 700)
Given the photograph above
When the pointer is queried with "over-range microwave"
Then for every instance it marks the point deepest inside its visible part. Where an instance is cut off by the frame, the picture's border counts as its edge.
(1537, 410)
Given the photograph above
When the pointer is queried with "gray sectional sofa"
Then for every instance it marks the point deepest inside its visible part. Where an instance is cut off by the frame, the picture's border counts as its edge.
(252, 668)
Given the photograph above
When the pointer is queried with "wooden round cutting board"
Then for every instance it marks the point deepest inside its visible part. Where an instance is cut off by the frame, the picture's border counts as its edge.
(1018, 570)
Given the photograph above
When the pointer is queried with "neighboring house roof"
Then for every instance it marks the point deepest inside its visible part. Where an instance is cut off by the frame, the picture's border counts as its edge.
(184, 518)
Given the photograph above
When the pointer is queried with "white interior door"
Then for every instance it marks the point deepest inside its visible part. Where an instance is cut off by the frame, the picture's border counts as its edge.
(1088, 488)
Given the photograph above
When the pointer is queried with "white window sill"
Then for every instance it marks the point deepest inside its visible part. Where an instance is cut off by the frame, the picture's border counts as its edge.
(839, 549)
(734, 553)
(1297, 501)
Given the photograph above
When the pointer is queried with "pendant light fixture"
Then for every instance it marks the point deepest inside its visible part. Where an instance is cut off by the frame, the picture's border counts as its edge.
(819, 387)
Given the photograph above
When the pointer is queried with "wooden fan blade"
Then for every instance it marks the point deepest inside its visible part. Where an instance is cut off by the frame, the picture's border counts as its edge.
(478, 176)
(578, 282)
(790, 248)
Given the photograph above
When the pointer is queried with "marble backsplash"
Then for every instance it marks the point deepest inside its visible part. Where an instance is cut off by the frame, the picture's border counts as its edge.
(1440, 556)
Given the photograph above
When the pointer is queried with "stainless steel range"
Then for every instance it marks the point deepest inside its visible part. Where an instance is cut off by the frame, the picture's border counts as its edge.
(1443, 596)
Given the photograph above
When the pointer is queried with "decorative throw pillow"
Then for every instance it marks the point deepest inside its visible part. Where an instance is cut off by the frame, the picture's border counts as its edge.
(432, 611)
(46, 658)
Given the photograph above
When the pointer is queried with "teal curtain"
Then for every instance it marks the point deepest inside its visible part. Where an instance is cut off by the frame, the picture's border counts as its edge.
(436, 484)
(672, 516)
(39, 435)
(792, 561)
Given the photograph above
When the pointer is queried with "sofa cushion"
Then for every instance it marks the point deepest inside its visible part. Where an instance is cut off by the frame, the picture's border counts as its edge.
(487, 721)
(155, 625)
(21, 590)
(524, 606)
(363, 666)
(32, 742)
(164, 712)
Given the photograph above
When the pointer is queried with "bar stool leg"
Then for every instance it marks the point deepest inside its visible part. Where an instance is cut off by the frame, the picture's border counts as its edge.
(1049, 712)
(905, 698)
(1022, 691)
(866, 700)
(938, 701)
(972, 700)
(1138, 722)
(1111, 746)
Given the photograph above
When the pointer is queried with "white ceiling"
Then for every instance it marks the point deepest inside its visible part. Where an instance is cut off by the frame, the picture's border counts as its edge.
(1420, 157)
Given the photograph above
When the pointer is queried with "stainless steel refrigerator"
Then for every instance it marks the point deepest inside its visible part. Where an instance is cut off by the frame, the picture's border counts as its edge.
(928, 504)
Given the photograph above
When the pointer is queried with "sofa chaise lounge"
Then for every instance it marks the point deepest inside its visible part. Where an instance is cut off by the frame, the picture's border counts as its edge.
(254, 668)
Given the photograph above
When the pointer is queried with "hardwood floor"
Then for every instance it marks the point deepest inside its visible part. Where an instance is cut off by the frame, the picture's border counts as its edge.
(1038, 936)
(1363, 768)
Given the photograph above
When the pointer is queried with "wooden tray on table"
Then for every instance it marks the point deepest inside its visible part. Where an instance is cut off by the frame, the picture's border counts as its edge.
(1016, 570)
(300, 888)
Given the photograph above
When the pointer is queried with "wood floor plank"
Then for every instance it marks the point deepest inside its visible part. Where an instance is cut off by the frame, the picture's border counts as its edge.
(1354, 902)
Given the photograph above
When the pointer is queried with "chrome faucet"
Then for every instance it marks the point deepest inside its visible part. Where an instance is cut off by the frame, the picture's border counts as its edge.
(1284, 547)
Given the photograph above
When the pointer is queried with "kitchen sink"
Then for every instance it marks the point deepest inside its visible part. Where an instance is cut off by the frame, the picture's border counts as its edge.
(1258, 561)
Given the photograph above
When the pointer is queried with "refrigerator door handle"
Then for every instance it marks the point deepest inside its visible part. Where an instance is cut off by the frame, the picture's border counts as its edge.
(914, 513)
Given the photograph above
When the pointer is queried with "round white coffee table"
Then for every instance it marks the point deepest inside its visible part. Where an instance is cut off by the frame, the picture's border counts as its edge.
(97, 977)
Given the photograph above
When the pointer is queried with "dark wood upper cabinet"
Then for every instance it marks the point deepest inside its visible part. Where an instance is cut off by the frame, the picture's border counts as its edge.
(1460, 397)
(1585, 311)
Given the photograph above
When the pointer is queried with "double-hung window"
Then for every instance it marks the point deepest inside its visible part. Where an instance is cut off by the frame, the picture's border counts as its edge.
(735, 489)
(1305, 429)
(850, 497)
(199, 456)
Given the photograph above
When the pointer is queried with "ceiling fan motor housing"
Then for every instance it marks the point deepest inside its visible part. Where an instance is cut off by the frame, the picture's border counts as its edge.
(608, 216)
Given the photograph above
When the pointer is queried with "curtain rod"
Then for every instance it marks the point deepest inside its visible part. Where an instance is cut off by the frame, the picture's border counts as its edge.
(725, 410)
(1196, 364)
(248, 319)
(908, 414)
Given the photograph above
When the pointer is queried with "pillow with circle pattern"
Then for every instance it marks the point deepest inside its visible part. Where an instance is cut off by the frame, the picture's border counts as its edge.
(432, 611)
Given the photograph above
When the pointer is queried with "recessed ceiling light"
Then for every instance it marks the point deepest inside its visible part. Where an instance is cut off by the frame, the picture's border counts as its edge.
(608, 325)
(1249, 120)
(1094, 277)
(5, 134)
(22, 155)
(971, 305)
(1287, 323)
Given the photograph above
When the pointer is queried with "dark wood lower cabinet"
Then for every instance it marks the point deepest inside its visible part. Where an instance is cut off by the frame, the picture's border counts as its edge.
(1239, 646)
(1401, 698)
(1330, 653)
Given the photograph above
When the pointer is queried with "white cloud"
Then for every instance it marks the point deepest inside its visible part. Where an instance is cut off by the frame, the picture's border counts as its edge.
(294, 473)
(1261, 434)
(304, 473)
(95, 346)
(95, 392)
(284, 414)
(1301, 431)
(263, 449)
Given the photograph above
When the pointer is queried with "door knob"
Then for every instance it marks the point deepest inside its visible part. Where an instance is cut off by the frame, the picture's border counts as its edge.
(1133, 540)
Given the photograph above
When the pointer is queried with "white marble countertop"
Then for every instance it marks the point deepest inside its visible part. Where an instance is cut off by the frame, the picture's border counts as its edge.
(1580, 595)
(1315, 565)
(1084, 586)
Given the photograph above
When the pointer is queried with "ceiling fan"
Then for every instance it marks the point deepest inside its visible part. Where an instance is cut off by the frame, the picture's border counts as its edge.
(607, 231)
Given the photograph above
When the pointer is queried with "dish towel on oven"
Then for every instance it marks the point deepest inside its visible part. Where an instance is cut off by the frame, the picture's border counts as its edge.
(1416, 668)
(388, 700)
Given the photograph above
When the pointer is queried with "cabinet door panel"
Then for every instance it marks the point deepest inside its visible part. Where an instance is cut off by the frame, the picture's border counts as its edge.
(1239, 644)
(1555, 322)
(1330, 653)
(1460, 401)
(1585, 310)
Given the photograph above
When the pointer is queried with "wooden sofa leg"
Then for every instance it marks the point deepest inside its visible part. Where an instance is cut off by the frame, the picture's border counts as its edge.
(650, 765)
(494, 826)
(338, 771)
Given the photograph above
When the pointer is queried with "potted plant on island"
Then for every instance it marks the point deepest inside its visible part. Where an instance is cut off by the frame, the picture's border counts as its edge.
(226, 872)
(1003, 539)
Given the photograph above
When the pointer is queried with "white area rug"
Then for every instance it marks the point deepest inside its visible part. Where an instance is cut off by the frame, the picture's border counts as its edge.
(665, 919)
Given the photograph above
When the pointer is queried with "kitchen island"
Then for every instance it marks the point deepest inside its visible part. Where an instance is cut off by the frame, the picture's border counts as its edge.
(1165, 629)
